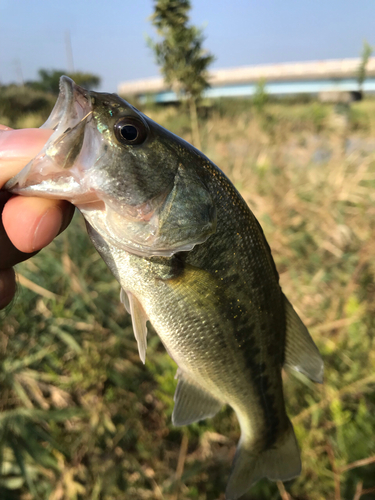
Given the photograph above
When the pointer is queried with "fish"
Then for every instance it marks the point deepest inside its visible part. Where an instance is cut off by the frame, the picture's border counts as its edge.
(191, 259)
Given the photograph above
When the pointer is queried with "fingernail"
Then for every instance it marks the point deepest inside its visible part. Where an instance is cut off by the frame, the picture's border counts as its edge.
(48, 227)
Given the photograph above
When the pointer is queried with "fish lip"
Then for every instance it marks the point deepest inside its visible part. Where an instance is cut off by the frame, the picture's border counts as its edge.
(72, 99)
(73, 105)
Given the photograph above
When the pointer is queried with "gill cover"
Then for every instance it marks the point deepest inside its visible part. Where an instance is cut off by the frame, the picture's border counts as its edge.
(181, 218)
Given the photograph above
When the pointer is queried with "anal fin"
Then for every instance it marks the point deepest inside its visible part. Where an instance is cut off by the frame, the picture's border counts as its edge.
(139, 320)
(301, 354)
(192, 402)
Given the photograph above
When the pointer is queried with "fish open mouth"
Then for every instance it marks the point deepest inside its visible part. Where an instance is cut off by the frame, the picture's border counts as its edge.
(68, 120)
(72, 105)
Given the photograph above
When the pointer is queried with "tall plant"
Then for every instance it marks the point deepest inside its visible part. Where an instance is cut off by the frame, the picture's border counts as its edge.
(362, 69)
(181, 56)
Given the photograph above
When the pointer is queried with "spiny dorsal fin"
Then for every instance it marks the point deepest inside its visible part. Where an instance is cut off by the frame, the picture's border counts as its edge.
(192, 402)
(139, 320)
(301, 354)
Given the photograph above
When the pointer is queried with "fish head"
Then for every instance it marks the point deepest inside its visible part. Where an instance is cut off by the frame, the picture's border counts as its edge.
(137, 184)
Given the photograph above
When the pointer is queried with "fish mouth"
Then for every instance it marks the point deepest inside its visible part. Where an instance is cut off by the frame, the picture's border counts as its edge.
(72, 105)
(68, 119)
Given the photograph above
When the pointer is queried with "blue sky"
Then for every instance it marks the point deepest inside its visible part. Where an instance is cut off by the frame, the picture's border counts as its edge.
(108, 37)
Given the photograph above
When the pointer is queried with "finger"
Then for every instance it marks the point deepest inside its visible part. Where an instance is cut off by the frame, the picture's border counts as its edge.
(7, 287)
(17, 148)
(32, 223)
(9, 255)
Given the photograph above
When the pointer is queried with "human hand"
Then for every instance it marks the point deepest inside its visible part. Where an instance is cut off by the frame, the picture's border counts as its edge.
(27, 223)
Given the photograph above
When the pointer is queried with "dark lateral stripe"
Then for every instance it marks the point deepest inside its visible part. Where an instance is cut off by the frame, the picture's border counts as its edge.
(248, 336)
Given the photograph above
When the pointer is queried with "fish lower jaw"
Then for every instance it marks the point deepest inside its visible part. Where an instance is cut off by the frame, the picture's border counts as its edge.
(66, 188)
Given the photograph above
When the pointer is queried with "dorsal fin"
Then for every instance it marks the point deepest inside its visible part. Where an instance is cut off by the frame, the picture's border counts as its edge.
(192, 402)
(139, 320)
(301, 354)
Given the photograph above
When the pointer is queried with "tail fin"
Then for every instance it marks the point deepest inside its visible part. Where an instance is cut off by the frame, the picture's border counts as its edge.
(281, 462)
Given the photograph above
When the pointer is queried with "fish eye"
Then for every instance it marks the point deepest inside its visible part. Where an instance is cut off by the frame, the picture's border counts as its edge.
(130, 130)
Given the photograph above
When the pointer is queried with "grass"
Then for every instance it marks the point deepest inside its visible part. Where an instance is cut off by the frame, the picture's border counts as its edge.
(82, 418)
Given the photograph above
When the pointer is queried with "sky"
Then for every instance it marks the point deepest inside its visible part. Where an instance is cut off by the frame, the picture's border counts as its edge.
(108, 38)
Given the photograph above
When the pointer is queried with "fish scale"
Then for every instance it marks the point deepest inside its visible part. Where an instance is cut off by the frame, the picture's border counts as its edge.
(192, 259)
(255, 259)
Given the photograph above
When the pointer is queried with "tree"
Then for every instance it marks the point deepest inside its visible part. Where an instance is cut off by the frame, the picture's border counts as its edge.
(180, 54)
(361, 75)
(49, 80)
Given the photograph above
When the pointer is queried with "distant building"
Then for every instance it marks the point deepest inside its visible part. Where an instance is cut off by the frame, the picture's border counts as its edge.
(313, 77)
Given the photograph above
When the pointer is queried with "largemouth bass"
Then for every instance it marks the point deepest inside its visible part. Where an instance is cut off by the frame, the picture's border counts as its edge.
(192, 259)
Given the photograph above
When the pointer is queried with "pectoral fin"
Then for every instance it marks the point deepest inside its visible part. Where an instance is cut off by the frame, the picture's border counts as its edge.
(139, 320)
(125, 300)
(301, 354)
(192, 402)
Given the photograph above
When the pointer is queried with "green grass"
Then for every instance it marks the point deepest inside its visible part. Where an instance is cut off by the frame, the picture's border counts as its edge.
(82, 418)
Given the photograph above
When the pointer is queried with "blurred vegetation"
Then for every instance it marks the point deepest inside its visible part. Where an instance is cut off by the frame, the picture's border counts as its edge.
(82, 418)
(49, 80)
(21, 103)
(24, 106)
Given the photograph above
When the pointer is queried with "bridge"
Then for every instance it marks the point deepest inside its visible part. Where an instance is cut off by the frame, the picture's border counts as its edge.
(311, 77)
